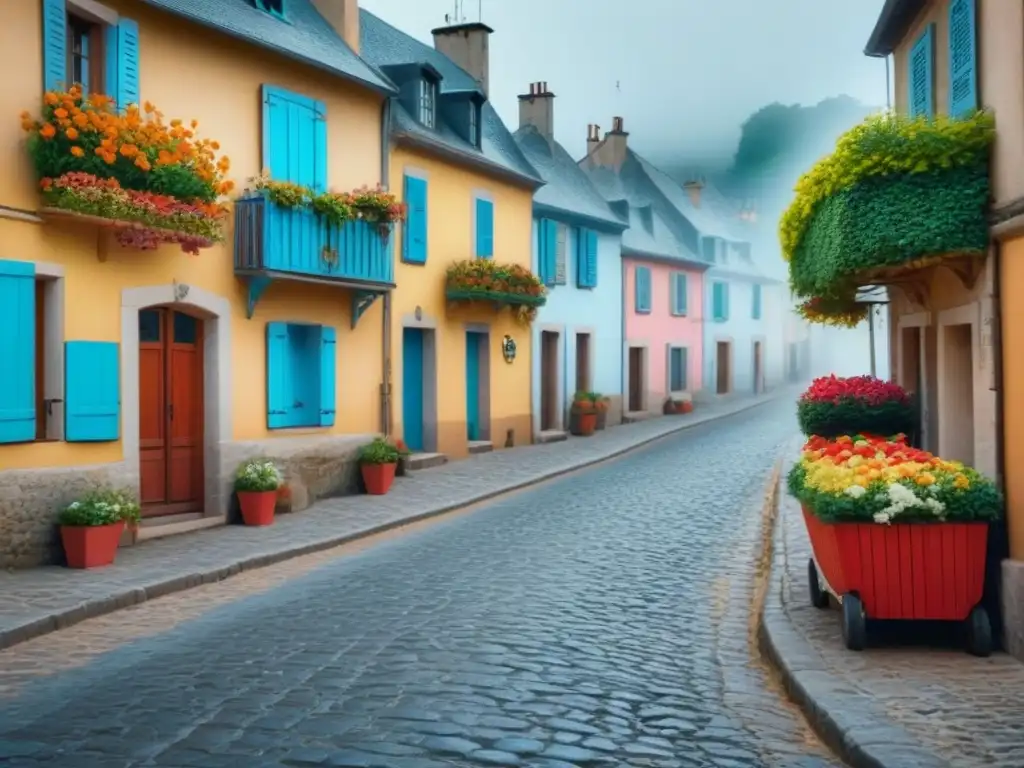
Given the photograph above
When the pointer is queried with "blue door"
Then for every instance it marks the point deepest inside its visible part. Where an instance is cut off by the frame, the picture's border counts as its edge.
(473, 345)
(412, 388)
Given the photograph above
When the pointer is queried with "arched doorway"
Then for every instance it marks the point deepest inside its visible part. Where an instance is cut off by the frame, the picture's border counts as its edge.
(171, 420)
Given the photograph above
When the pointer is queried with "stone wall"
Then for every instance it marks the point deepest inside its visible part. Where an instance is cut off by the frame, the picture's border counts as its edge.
(31, 499)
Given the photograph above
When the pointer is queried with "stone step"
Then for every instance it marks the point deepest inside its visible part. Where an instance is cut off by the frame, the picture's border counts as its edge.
(480, 446)
(552, 436)
(425, 460)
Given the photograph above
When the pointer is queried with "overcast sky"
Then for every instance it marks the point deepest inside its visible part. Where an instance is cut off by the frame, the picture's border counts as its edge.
(688, 71)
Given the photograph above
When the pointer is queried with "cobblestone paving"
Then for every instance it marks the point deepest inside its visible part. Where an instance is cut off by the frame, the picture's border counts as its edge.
(601, 619)
(29, 600)
(967, 710)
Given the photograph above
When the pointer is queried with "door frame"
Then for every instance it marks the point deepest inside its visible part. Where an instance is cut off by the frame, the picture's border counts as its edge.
(428, 325)
(645, 370)
(730, 379)
(558, 385)
(215, 312)
(483, 398)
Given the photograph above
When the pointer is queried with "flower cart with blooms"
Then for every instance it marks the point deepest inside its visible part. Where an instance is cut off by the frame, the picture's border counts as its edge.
(502, 285)
(583, 414)
(899, 197)
(378, 462)
(897, 533)
(257, 483)
(127, 170)
(91, 527)
(834, 406)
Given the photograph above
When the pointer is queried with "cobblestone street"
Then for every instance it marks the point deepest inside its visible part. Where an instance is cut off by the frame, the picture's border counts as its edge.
(602, 618)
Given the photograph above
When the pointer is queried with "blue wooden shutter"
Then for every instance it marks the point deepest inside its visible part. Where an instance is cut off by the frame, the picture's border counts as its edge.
(92, 391)
(294, 138)
(963, 55)
(18, 351)
(279, 389)
(127, 88)
(679, 298)
(921, 75)
(642, 279)
(586, 259)
(484, 228)
(414, 240)
(319, 119)
(328, 374)
(55, 45)
(717, 301)
(548, 251)
(756, 309)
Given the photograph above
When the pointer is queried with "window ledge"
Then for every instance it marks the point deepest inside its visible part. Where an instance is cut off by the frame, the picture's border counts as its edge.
(18, 214)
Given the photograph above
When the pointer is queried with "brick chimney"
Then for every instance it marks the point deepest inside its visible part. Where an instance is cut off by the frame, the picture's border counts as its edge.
(593, 138)
(467, 45)
(694, 187)
(343, 16)
(611, 152)
(537, 108)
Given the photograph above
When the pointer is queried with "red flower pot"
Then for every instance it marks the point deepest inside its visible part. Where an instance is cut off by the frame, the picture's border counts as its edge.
(91, 546)
(378, 477)
(257, 506)
(588, 423)
(923, 571)
(687, 406)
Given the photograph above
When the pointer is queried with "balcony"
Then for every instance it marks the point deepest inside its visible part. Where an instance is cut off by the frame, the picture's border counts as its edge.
(276, 243)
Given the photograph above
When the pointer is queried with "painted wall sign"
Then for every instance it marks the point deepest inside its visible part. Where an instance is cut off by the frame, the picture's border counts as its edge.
(508, 349)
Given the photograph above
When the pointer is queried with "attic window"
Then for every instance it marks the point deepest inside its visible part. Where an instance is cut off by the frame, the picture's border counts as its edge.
(428, 102)
(474, 124)
(273, 7)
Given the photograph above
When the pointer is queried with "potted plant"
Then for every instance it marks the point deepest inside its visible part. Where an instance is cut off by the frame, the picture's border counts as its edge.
(256, 485)
(582, 415)
(672, 407)
(601, 405)
(91, 527)
(686, 406)
(834, 406)
(377, 463)
(897, 533)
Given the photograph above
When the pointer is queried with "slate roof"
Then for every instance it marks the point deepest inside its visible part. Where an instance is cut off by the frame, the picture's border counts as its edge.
(567, 188)
(305, 36)
(383, 45)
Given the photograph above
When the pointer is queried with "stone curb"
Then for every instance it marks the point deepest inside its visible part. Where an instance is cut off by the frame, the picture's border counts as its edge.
(141, 593)
(847, 720)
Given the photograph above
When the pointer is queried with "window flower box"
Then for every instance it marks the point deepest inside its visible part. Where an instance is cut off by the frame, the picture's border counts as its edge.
(502, 285)
(834, 406)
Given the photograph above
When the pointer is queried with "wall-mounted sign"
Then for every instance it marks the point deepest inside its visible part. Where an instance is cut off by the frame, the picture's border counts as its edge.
(508, 349)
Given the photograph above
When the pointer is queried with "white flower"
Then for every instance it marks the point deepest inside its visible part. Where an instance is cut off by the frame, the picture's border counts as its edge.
(883, 518)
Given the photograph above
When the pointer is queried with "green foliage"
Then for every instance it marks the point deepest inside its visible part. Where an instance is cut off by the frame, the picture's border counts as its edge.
(104, 506)
(257, 476)
(852, 416)
(380, 451)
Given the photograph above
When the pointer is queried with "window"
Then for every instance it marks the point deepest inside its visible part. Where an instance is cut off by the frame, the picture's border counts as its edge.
(586, 258)
(414, 236)
(273, 7)
(677, 369)
(474, 124)
(561, 236)
(301, 375)
(428, 102)
(642, 290)
(678, 288)
(295, 138)
(484, 223)
(719, 302)
(85, 54)
(755, 311)
(31, 343)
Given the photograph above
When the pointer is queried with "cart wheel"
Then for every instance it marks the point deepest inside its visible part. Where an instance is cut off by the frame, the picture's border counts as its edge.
(854, 623)
(819, 597)
(979, 632)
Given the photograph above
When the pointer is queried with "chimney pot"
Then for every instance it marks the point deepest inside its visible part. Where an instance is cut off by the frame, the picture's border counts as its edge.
(537, 109)
(468, 46)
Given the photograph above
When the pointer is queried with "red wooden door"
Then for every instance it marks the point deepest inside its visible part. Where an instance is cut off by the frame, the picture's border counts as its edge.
(171, 412)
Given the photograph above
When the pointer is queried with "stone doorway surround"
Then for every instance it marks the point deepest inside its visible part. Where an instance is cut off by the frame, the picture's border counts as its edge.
(215, 311)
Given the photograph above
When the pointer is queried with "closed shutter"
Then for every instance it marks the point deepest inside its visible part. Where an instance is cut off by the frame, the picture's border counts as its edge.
(756, 309)
(294, 138)
(643, 289)
(963, 45)
(55, 45)
(328, 375)
(92, 391)
(414, 243)
(279, 388)
(546, 247)
(586, 259)
(18, 351)
(127, 89)
(921, 75)
(484, 229)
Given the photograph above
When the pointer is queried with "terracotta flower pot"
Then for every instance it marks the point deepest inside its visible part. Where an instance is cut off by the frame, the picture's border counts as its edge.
(588, 423)
(257, 506)
(378, 477)
(91, 546)
(687, 406)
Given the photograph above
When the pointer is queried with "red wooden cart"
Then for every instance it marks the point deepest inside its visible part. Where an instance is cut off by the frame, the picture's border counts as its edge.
(924, 571)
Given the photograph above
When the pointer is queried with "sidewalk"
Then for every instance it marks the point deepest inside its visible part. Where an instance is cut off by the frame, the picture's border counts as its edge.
(886, 707)
(40, 600)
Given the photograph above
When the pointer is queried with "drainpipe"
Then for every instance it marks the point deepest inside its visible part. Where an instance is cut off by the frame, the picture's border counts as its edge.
(385, 331)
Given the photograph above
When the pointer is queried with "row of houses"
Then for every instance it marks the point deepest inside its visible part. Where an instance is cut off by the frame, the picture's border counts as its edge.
(161, 371)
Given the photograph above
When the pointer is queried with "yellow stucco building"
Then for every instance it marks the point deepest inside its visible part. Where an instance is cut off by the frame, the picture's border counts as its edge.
(161, 371)
(468, 190)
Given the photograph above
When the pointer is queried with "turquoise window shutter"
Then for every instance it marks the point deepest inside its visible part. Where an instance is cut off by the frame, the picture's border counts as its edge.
(720, 301)
(590, 240)
(963, 57)
(55, 45)
(548, 250)
(679, 298)
(484, 228)
(18, 351)
(127, 63)
(294, 138)
(328, 374)
(756, 309)
(279, 388)
(92, 391)
(643, 289)
(921, 75)
(414, 240)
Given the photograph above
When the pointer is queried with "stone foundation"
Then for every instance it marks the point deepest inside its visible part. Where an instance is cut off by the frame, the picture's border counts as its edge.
(31, 499)
(1013, 607)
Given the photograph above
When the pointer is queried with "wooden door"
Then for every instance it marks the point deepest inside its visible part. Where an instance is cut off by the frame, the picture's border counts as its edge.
(582, 362)
(723, 364)
(548, 380)
(636, 379)
(474, 342)
(412, 388)
(170, 412)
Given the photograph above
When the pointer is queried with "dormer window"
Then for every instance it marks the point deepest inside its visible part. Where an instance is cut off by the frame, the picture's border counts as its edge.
(428, 102)
(273, 7)
(474, 124)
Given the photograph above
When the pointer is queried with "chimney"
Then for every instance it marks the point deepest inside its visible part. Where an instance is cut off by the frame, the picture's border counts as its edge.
(593, 138)
(694, 187)
(467, 46)
(343, 16)
(537, 108)
(610, 153)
